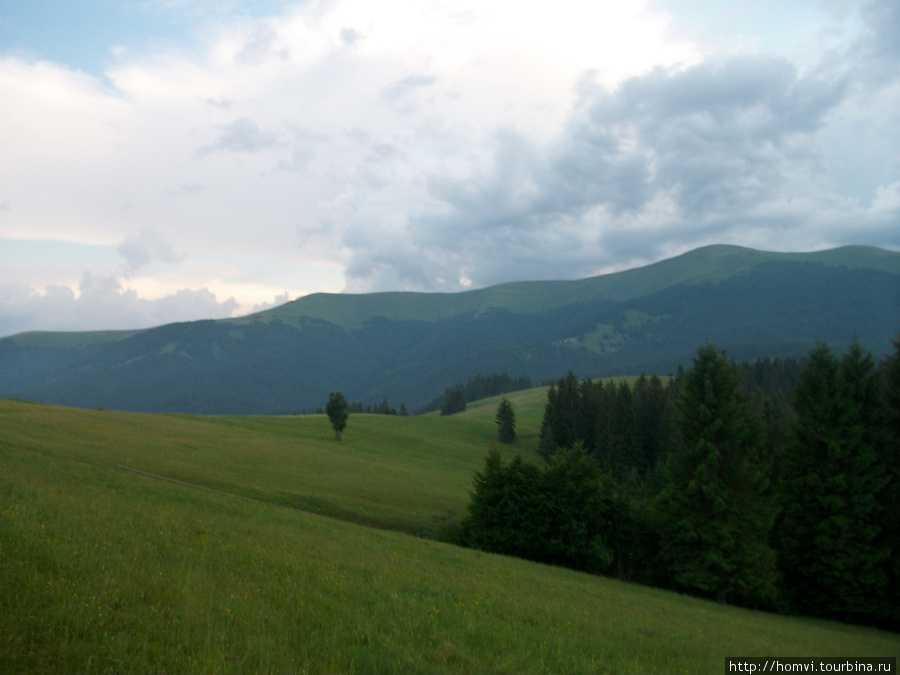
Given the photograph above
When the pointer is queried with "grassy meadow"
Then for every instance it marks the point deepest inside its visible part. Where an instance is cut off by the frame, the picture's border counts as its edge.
(274, 568)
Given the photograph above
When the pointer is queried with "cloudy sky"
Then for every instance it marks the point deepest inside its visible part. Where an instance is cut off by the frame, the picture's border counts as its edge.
(169, 160)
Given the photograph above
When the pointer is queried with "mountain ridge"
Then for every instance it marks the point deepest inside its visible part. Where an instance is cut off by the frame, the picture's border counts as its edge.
(407, 347)
(615, 286)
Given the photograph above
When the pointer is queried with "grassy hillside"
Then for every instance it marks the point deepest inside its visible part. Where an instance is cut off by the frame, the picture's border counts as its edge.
(375, 475)
(107, 570)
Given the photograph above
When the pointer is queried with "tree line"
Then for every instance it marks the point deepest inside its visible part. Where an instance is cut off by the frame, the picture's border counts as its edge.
(774, 484)
(383, 408)
(454, 398)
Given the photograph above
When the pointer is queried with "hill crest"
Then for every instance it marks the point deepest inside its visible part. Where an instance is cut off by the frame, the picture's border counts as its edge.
(711, 263)
(408, 347)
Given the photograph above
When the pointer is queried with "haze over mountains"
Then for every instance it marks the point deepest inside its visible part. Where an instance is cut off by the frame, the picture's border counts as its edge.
(408, 347)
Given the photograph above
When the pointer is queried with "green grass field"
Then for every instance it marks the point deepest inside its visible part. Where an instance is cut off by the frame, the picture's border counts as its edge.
(103, 569)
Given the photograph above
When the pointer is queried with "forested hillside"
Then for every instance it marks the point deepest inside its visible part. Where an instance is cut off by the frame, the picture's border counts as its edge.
(773, 484)
(407, 348)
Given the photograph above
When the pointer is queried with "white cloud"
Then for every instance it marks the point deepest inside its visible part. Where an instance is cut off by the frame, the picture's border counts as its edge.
(437, 145)
(102, 303)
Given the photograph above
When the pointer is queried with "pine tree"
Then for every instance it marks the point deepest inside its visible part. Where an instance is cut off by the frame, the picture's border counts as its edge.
(626, 435)
(559, 516)
(563, 422)
(576, 503)
(456, 402)
(503, 513)
(482, 528)
(890, 458)
(652, 422)
(547, 444)
(831, 485)
(604, 444)
(506, 421)
(715, 512)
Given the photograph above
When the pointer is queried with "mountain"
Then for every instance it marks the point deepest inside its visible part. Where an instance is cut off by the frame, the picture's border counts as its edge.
(408, 347)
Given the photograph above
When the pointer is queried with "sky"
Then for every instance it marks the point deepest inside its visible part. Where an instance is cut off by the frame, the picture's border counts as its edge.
(174, 160)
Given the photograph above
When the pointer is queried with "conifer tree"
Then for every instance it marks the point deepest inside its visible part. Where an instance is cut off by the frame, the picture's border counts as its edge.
(506, 421)
(715, 513)
(338, 410)
(484, 524)
(563, 422)
(890, 458)
(831, 485)
(652, 421)
(560, 515)
(456, 402)
(503, 514)
(547, 444)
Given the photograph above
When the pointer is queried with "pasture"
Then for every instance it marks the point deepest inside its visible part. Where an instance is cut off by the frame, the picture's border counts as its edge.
(299, 557)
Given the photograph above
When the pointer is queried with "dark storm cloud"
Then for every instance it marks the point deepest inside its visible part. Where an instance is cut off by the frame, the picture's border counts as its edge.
(876, 56)
(394, 269)
(669, 159)
(528, 186)
(723, 136)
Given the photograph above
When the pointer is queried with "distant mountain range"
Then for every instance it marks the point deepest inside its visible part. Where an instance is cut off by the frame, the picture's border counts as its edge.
(408, 347)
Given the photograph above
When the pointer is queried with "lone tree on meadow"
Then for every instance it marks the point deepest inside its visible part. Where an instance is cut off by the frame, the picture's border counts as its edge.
(338, 410)
(506, 421)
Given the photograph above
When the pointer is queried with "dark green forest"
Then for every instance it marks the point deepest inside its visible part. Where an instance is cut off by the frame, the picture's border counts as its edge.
(773, 484)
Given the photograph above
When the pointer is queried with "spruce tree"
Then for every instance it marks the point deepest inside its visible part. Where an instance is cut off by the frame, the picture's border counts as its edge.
(563, 422)
(653, 421)
(890, 458)
(504, 514)
(831, 486)
(576, 509)
(547, 444)
(506, 421)
(456, 401)
(559, 516)
(715, 513)
(485, 520)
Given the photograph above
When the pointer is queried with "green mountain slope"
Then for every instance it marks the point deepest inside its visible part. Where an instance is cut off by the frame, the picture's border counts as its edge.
(408, 347)
(707, 264)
